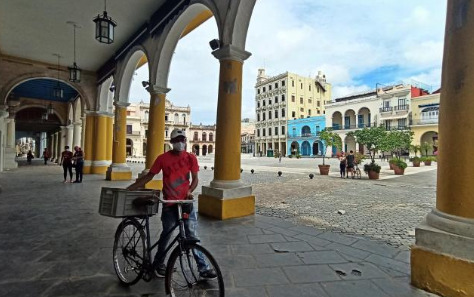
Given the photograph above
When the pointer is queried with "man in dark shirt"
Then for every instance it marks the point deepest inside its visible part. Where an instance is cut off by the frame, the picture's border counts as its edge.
(350, 158)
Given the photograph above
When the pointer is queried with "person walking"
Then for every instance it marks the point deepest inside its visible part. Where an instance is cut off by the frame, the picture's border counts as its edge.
(350, 160)
(29, 157)
(177, 166)
(66, 162)
(78, 159)
(46, 155)
(342, 165)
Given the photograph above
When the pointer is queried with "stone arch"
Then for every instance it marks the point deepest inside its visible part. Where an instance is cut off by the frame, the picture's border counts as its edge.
(106, 96)
(196, 149)
(349, 119)
(61, 119)
(430, 137)
(210, 149)
(127, 68)
(18, 80)
(305, 148)
(204, 150)
(363, 117)
(159, 70)
(294, 148)
(337, 120)
(350, 143)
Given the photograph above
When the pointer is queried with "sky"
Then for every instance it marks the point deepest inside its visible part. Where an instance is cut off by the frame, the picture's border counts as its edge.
(356, 44)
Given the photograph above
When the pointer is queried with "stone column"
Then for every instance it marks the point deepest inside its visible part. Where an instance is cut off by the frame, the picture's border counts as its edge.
(10, 145)
(101, 161)
(119, 170)
(442, 260)
(77, 134)
(59, 149)
(69, 136)
(62, 139)
(88, 141)
(156, 132)
(226, 196)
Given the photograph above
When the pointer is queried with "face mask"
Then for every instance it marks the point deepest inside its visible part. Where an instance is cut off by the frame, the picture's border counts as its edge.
(179, 146)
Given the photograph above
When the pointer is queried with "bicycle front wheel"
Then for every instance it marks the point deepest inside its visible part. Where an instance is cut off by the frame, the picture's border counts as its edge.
(129, 252)
(193, 271)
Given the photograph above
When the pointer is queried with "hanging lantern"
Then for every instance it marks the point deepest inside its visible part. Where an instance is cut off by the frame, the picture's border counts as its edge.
(104, 27)
(74, 71)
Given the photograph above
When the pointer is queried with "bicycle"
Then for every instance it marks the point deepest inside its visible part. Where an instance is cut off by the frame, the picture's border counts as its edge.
(357, 172)
(132, 254)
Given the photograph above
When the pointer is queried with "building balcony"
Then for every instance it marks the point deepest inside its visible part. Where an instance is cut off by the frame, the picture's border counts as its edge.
(133, 133)
(422, 122)
(303, 135)
(388, 109)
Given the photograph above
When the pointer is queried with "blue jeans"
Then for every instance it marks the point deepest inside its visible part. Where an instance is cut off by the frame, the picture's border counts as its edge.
(169, 219)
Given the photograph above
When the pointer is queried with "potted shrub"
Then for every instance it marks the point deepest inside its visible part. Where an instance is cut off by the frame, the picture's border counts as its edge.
(330, 139)
(416, 161)
(372, 169)
(428, 160)
(399, 167)
(391, 162)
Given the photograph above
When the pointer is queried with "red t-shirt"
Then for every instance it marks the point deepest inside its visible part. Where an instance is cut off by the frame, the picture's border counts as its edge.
(67, 157)
(176, 173)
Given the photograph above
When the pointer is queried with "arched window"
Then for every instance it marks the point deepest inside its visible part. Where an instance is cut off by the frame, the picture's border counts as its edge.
(176, 118)
(184, 118)
(211, 137)
(146, 116)
(204, 136)
(196, 136)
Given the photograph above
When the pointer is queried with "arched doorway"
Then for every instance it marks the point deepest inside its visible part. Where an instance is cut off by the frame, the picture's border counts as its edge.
(196, 149)
(305, 148)
(430, 139)
(317, 148)
(305, 131)
(295, 148)
(129, 147)
(204, 150)
(209, 148)
(350, 144)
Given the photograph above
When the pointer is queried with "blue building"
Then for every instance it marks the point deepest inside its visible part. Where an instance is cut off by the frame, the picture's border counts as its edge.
(303, 136)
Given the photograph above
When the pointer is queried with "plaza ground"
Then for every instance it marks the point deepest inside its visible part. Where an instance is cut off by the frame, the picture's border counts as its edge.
(54, 242)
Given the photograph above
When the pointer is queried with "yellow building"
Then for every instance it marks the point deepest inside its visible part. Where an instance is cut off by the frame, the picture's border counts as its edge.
(285, 97)
(424, 120)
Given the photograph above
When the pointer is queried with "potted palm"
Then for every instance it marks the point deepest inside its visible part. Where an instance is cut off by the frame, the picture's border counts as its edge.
(416, 161)
(373, 139)
(329, 138)
(425, 147)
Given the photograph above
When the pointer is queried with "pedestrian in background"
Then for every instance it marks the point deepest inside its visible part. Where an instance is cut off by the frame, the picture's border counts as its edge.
(45, 156)
(342, 165)
(29, 157)
(66, 162)
(350, 161)
(78, 159)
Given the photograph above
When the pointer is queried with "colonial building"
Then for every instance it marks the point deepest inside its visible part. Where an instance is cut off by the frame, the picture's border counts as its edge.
(303, 136)
(137, 126)
(247, 136)
(284, 97)
(202, 139)
(424, 120)
(389, 106)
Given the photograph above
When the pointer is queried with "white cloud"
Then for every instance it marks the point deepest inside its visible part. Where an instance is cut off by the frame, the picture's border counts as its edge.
(348, 40)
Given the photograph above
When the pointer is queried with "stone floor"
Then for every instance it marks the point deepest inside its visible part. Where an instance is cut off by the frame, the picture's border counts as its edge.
(53, 242)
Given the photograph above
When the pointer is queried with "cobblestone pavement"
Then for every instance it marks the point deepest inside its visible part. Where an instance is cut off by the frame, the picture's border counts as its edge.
(54, 243)
(385, 210)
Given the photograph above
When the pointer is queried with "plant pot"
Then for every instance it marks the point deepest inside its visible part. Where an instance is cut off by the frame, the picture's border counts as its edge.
(416, 163)
(397, 170)
(324, 169)
(427, 163)
(373, 174)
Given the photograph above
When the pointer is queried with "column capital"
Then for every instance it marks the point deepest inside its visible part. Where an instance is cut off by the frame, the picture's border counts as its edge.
(231, 52)
(120, 104)
(152, 89)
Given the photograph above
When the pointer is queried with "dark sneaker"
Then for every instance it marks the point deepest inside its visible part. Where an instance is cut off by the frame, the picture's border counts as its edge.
(160, 270)
(208, 274)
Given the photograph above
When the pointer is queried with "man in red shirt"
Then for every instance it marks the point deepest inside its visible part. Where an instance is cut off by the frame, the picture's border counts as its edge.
(177, 166)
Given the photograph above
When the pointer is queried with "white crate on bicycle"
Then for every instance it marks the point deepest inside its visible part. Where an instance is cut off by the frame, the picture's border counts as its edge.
(118, 203)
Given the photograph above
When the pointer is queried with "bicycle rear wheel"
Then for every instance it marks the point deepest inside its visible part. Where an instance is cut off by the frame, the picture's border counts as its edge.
(184, 278)
(129, 252)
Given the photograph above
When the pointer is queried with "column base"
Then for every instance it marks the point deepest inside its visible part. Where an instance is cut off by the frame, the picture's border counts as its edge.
(118, 172)
(225, 204)
(99, 167)
(87, 167)
(442, 261)
(155, 184)
(9, 159)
